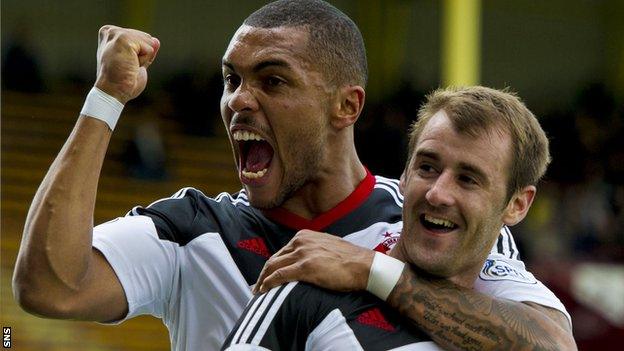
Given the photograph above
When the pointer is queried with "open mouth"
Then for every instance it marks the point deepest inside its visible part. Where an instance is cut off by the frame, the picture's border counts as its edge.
(438, 225)
(256, 154)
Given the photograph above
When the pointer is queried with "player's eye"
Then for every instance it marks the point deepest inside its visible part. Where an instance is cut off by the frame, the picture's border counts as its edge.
(231, 81)
(425, 169)
(466, 179)
(273, 81)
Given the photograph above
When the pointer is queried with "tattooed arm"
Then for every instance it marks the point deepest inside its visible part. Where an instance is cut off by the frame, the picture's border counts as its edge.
(458, 318)
(455, 317)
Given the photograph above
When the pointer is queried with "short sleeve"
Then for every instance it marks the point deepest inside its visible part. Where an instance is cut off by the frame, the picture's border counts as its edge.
(507, 278)
(146, 266)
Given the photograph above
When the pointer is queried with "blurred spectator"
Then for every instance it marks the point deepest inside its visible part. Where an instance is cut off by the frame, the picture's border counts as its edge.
(144, 154)
(578, 212)
(20, 67)
(578, 216)
(380, 141)
(194, 97)
(381, 133)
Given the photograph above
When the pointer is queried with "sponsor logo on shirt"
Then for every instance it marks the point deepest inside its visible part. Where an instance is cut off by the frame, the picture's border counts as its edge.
(501, 270)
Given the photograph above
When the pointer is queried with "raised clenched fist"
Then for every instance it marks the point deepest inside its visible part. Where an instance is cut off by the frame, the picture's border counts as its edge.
(123, 56)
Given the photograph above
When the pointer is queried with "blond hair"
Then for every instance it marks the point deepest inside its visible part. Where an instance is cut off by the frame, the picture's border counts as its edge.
(474, 110)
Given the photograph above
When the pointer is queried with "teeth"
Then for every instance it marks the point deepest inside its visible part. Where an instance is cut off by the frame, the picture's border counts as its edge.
(243, 135)
(254, 175)
(440, 221)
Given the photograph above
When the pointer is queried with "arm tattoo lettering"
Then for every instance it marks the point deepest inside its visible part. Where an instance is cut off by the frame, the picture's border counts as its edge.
(463, 319)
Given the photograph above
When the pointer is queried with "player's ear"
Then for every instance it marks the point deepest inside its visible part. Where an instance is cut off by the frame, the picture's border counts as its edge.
(519, 205)
(348, 104)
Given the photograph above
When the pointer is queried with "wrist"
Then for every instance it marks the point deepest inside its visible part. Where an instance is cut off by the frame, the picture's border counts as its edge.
(363, 271)
(102, 106)
(114, 90)
(384, 274)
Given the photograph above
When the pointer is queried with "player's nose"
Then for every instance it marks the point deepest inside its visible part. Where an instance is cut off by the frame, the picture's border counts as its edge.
(441, 192)
(243, 100)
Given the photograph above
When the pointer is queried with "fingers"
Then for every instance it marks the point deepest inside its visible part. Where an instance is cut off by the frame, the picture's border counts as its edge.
(275, 263)
(288, 248)
(123, 58)
(148, 49)
(304, 250)
(320, 259)
(281, 276)
(156, 46)
(104, 30)
(304, 242)
(263, 274)
(143, 44)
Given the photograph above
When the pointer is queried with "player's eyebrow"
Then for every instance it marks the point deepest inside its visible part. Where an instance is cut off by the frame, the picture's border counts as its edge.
(428, 154)
(260, 65)
(271, 63)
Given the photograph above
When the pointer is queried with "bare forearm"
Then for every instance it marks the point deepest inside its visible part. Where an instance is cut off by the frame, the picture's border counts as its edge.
(58, 274)
(462, 319)
(56, 244)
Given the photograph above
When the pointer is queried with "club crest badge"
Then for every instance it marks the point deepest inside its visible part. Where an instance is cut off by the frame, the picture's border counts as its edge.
(390, 240)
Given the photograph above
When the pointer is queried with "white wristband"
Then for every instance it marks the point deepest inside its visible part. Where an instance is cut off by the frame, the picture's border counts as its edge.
(384, 274)
(102, 106)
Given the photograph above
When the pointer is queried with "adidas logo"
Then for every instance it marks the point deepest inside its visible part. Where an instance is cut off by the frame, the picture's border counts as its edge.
(255, 245)
(374, 318)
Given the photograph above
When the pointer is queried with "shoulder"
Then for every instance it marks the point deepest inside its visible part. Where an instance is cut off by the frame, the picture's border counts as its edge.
(190, 198)
(388, 187)
(505, 245)
(503, 262)
(189, 213)
(504, 275)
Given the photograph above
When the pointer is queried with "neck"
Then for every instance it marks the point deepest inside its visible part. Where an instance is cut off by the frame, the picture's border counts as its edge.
(464, 279)
(340, 174)
(467, 278)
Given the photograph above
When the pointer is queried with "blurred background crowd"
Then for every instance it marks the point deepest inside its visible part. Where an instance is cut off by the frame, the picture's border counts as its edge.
(565, 58)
